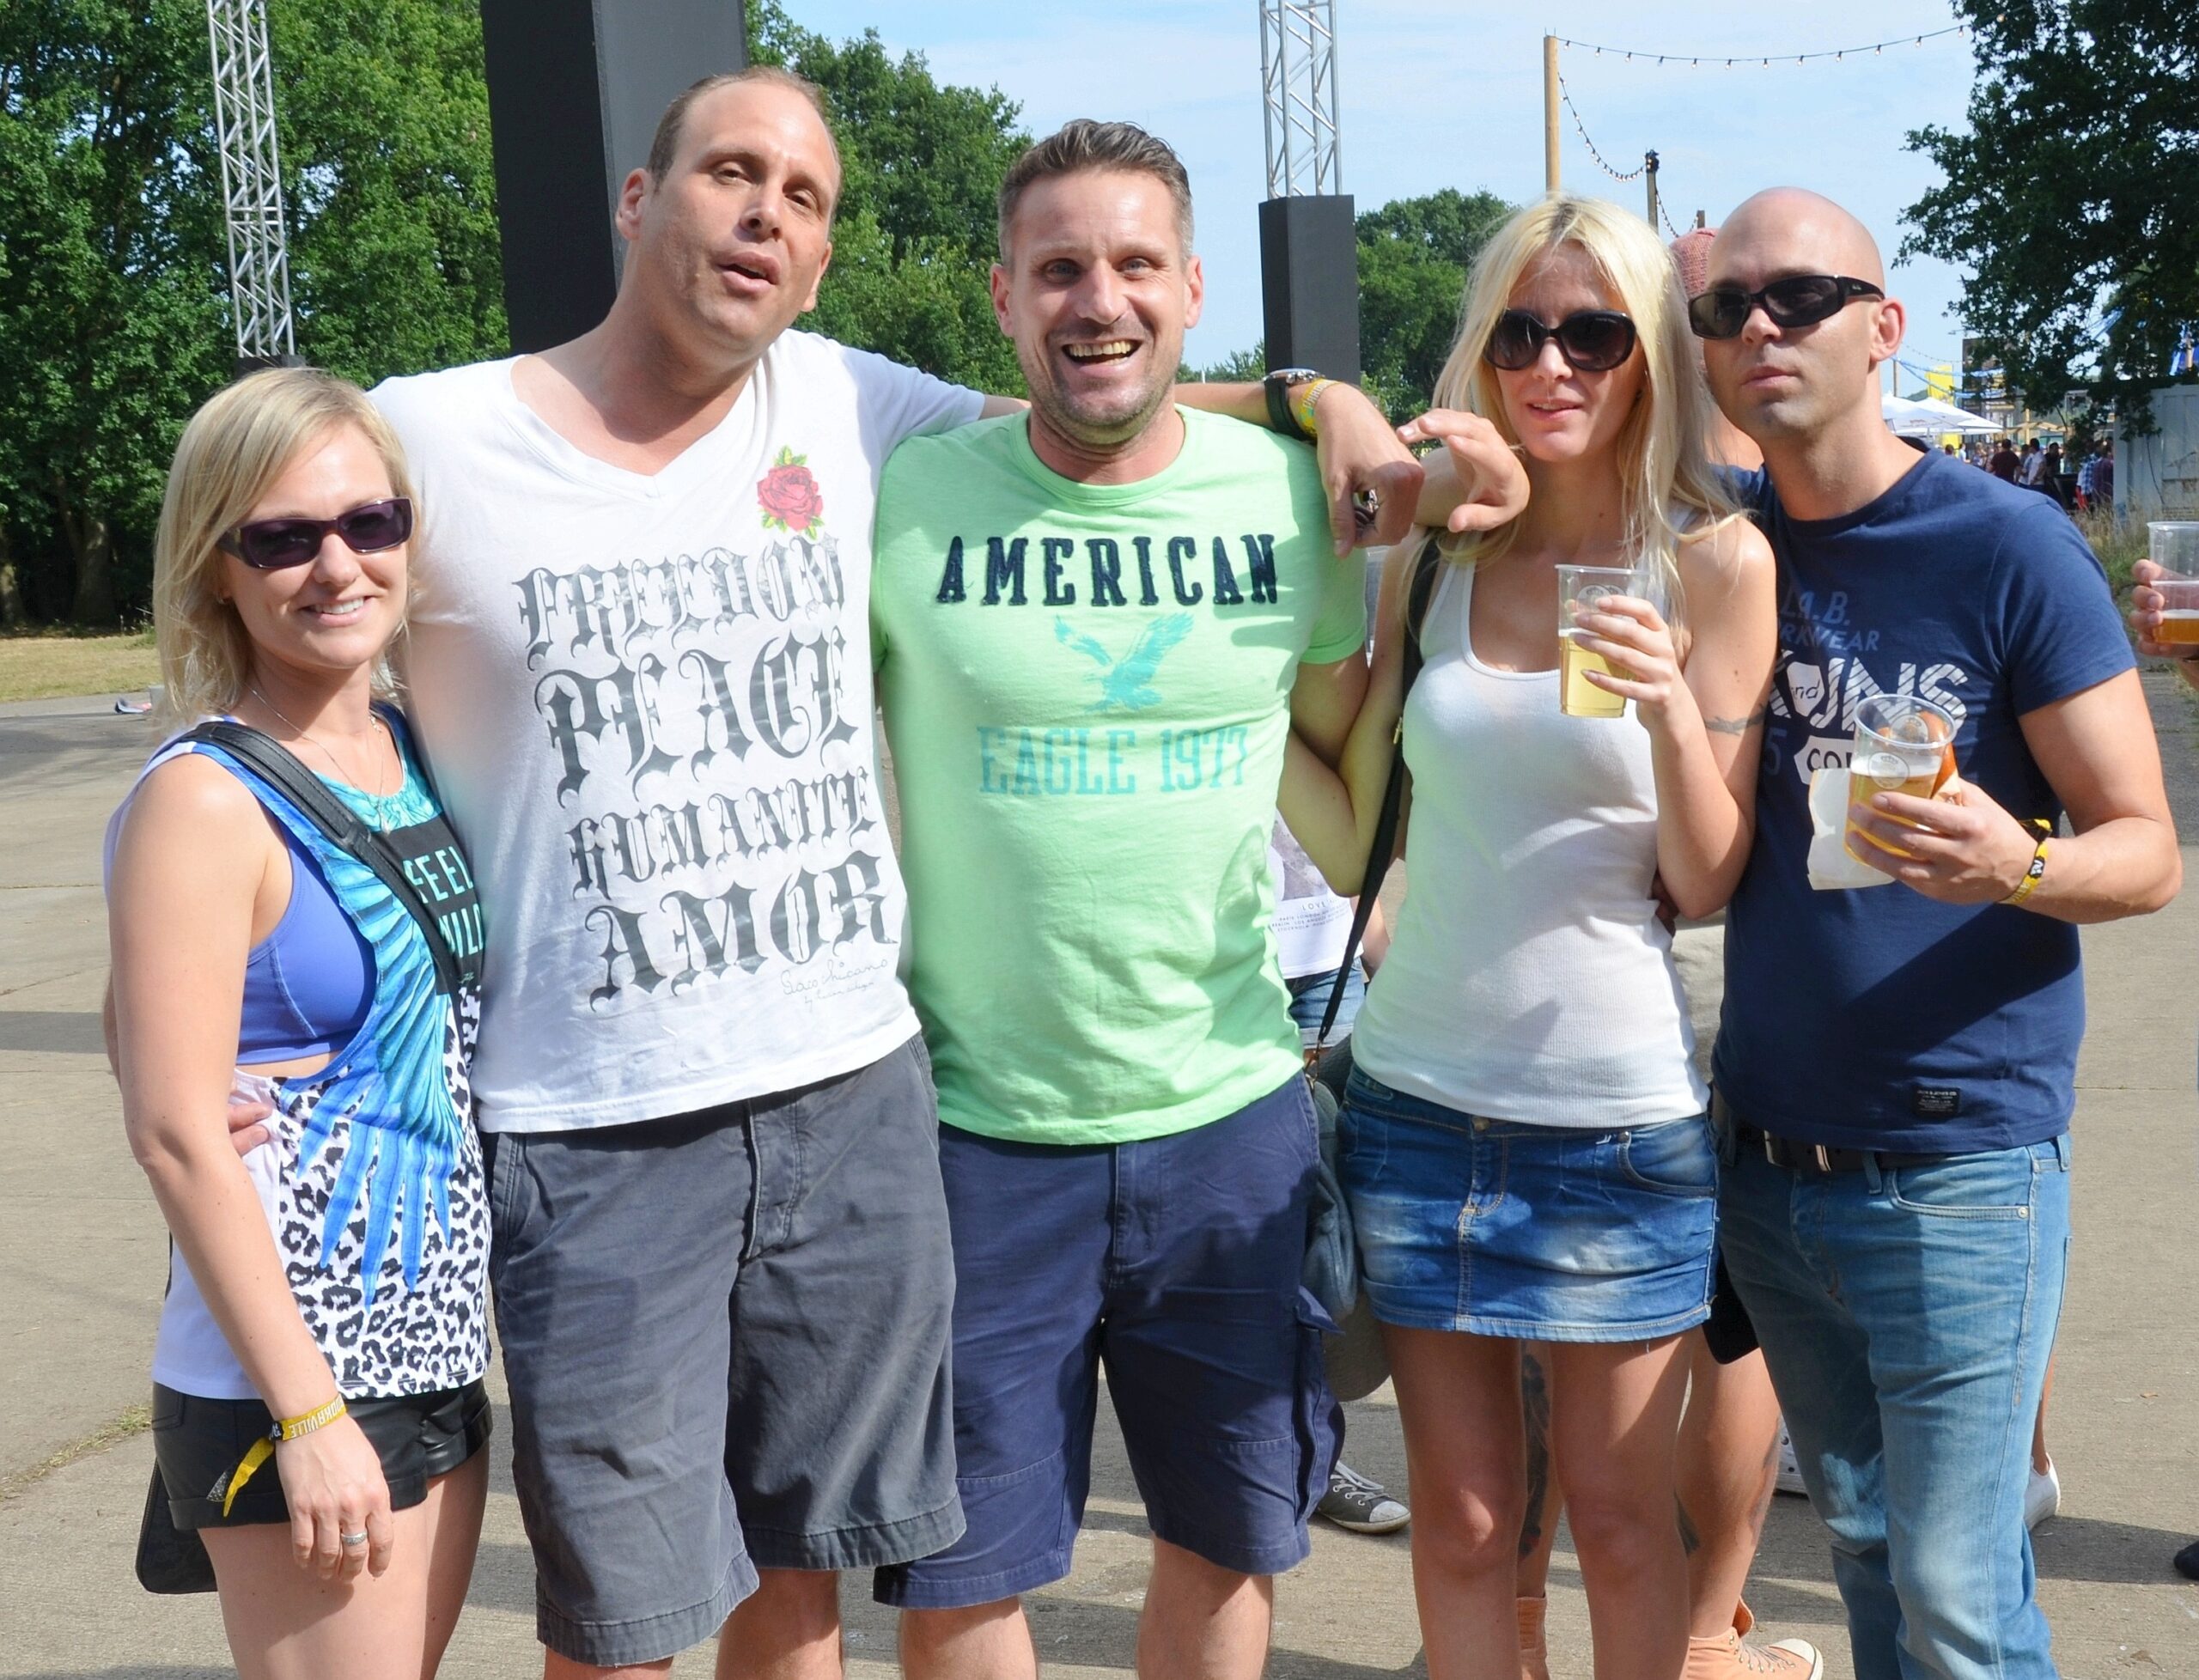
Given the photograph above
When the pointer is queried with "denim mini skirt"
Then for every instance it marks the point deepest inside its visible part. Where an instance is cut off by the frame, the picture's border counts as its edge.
(1541, 1234)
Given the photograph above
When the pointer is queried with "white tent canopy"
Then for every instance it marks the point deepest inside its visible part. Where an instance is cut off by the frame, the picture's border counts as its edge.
(1928, 417)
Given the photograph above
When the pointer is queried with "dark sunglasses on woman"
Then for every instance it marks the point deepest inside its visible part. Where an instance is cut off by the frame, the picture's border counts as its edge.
(1799, 300)
(271, 544)
(1594, 341)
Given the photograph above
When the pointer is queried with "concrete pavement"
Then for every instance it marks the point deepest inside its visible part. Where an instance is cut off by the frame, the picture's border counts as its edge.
(83, 1262)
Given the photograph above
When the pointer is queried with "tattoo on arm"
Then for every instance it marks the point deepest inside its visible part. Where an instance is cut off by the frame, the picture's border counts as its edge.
(1736, 726)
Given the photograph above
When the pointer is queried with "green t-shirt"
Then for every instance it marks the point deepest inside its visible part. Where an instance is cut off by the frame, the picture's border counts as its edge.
(1087, 688)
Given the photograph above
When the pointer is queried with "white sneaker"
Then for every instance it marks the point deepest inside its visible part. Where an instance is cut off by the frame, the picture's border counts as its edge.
(1360, 1504)
(1790, 1469)
(2043, 1497)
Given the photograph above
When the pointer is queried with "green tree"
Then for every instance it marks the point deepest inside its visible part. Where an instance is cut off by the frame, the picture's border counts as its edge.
(396, 261)
(1414, 256)
(2073, 197)
(915, 234)
(114, 320)
(110, 313)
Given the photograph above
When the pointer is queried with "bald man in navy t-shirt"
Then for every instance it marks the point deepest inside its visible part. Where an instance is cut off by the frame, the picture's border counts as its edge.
(1896, 1066)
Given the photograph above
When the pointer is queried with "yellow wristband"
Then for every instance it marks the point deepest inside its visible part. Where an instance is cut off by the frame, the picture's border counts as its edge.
(289, 1428)
(1301, 405)
(2033, 874)
(285, 1430)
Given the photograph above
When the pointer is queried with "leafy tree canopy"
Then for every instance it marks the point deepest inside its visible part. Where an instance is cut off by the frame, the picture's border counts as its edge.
(914, 235)
(114, 320)
(2073, 198)
(1414, 256)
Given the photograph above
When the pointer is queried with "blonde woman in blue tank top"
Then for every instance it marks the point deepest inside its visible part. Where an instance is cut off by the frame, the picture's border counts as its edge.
(1524, 1142)
(318, 1410)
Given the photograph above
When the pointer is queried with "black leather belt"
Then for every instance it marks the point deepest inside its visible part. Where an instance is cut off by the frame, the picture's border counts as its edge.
(1798, 1156)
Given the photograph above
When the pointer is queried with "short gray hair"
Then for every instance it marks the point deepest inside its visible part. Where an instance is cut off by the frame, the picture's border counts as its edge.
(1083, 145)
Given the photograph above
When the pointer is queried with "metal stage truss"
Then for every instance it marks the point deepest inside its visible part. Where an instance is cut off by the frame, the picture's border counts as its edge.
(1298, 76)
(251, 180)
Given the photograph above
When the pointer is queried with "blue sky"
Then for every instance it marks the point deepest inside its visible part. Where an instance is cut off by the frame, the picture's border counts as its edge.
(1448, 92)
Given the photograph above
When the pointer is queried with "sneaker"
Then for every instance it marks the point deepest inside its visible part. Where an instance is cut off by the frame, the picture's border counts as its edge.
(2042, 1496)
(2186, 1562)
(1790, 1467)
(1358, 1503)
(1729, 1657)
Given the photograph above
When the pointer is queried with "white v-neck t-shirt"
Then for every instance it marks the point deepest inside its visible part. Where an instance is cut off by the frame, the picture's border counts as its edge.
(646, 701)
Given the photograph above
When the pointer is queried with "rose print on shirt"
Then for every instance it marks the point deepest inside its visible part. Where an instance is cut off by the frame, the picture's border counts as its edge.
(791, 496)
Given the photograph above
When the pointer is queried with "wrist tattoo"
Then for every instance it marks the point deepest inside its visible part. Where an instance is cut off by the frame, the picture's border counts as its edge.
(1736, 726)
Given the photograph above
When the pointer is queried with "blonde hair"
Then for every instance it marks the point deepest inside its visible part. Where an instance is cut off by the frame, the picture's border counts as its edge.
(1665, 470)
(231, 453)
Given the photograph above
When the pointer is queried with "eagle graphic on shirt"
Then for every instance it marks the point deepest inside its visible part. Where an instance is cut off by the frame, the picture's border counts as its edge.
(1126, 684)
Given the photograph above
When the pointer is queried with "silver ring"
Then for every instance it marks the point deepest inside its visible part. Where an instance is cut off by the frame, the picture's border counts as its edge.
(358, 1539)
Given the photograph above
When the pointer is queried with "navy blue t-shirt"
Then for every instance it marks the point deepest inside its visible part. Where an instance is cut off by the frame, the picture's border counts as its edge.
(1876, 1018)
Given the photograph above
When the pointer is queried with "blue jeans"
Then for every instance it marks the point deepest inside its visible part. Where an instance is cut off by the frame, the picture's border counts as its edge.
(1309, 1001)
(1907, 1312)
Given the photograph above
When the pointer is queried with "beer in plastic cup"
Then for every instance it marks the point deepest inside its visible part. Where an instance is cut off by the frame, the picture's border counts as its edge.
(1579, 589)
(1904, 744)
(2173, 545)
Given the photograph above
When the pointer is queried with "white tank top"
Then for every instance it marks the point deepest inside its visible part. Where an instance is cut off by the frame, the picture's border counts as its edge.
(1528, 979)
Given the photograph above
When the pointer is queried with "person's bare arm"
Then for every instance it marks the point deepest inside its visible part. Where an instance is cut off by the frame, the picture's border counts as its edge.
(2096, 749)
(1333, 811)
(247, 1114)
(1705, 716)
(189, 865)
(1324, 703)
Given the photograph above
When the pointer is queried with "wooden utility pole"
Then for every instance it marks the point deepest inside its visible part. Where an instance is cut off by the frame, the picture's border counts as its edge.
(1650, 171)
(1550, 113)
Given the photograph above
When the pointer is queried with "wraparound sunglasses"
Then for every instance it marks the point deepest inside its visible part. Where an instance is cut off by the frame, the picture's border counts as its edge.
(1799, 300)
(271, 544)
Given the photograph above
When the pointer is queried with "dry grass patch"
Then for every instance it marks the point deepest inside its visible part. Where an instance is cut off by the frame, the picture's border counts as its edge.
(41, 667)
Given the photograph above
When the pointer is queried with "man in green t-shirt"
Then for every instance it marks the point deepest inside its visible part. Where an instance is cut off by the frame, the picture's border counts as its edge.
(1096, 626)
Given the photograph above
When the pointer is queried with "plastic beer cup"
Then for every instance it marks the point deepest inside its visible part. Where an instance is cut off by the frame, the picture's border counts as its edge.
(1579, 589)
(1904, 744)
(2173, 545)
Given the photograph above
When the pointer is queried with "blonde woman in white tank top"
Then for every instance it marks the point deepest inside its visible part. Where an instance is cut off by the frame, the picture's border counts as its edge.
(1523, 1143)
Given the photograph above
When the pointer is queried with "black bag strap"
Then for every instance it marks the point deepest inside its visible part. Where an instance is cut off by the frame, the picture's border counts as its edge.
(275, 765)
(1425, 566)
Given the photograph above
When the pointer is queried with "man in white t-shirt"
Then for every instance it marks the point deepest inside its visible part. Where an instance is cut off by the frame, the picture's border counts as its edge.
(640, 665)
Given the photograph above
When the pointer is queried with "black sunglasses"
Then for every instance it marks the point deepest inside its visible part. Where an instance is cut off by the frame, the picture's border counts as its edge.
(270, 544)
(1799, 300)
(1594, 341)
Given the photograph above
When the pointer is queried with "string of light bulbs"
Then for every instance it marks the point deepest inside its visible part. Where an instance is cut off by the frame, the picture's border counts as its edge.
(1762, 60)
(1634, 174)
(1603, 163)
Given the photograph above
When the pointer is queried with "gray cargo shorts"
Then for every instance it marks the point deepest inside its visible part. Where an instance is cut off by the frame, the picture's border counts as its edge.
(726, 1338)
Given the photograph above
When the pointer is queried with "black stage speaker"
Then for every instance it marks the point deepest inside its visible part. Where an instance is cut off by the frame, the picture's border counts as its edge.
(1309, 284)
(575, 88)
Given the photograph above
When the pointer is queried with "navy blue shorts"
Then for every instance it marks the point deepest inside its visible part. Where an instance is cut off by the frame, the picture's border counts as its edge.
(1173, 1262)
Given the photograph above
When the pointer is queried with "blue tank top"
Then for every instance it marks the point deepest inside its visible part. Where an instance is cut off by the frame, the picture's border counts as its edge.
(371, 1181)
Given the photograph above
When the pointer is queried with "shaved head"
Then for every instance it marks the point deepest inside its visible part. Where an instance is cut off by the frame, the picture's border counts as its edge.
(1813, 386)
(1807, 231)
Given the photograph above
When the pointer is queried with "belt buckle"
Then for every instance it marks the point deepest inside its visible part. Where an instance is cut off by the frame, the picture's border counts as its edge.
(1823, 1159)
